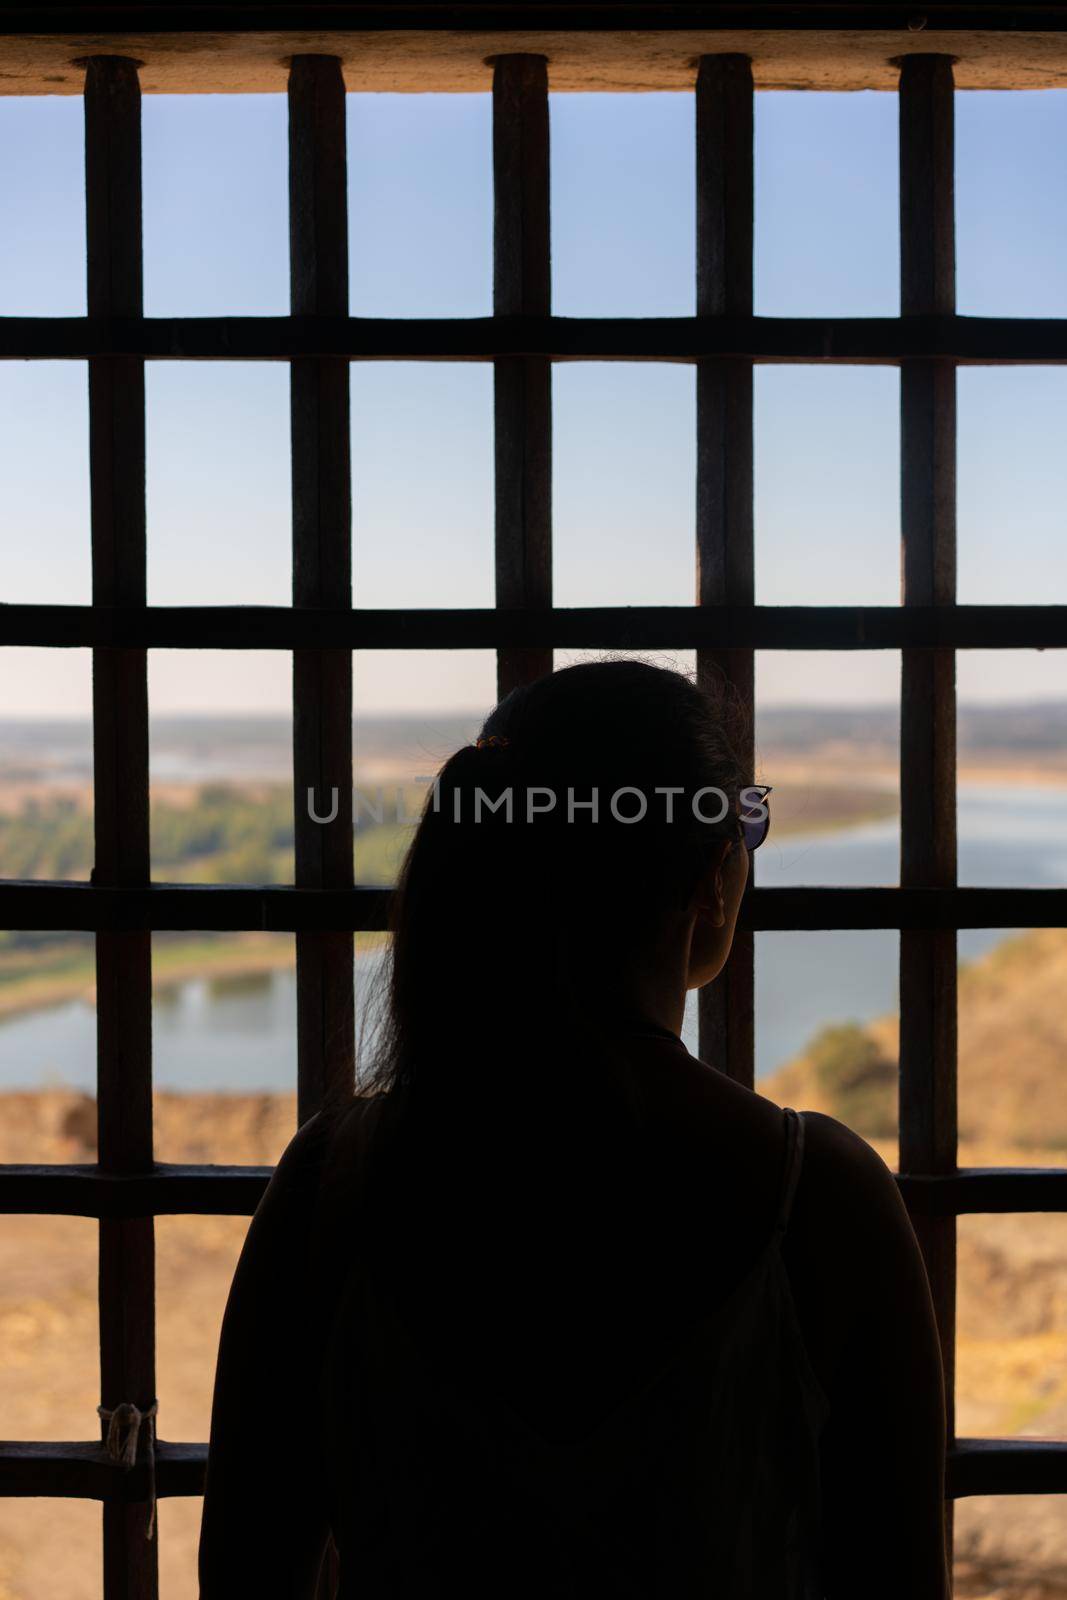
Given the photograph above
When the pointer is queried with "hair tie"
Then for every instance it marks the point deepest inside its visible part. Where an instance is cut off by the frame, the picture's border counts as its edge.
(491, 741)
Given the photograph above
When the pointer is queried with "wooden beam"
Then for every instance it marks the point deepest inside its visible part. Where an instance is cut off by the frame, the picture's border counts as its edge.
(595, 627)
(928, 966)
(1006, 1466)
(322, 577)
(980, 1191)
(71, 907)
(447, 47)
(842, 341)
(84, 1191)
(725, 559)
(84, 1471)
(120, 785)
(522, 384)
(81, 1470)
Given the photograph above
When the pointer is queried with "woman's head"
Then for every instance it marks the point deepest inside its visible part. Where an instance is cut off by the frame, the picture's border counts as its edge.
(591, 829)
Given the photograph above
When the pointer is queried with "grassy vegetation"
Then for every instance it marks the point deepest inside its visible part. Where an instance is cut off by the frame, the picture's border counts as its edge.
(221, 835)
(227, 836)
(50, 838)
(37, 968)
(857, 1077)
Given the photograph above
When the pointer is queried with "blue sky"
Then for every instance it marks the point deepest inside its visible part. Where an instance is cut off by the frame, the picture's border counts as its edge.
(421, 227)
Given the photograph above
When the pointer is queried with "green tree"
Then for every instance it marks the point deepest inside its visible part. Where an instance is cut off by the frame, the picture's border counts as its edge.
(857, 1077)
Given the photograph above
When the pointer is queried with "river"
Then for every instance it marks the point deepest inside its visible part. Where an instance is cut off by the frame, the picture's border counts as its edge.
(240, 1035)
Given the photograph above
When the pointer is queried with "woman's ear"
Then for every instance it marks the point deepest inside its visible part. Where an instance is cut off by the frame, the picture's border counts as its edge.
(714, 910)
(710, 902)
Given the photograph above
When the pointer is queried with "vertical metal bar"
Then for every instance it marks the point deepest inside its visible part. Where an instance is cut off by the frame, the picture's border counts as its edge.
(522, 384)
(120, 769)
(322, 573)
(928, 1122)
(725, 563)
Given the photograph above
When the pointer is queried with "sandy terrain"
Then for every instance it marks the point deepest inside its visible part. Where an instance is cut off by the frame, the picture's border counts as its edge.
(1012, 1366)
(49, 1376)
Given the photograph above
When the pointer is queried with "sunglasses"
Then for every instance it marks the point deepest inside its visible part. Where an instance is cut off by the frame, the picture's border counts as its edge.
(755, 817)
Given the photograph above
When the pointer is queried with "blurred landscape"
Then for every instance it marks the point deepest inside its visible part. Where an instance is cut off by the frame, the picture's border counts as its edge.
(221, 787)
(1012, 1298)
(1011, 1351)
(222, 812)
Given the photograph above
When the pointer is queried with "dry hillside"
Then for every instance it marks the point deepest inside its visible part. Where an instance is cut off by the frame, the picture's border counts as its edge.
(1012, 1042)
(1012, 1275)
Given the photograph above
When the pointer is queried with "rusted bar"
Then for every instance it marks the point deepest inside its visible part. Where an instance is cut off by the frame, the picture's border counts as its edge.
(168, 1190)
(569, 627)
(522, 428)
(840, 341)
(928, 1024)
(1006, 1466)
(120, 780)
(184, 907)
(322, 575)
(724, 546)
(174, 1190)
(80, 1470)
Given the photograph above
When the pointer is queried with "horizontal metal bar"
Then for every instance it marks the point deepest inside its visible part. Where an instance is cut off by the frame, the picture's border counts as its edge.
(167, 1191)
(796, 909)
(84, 1471)
(85, 907)
(84, 1191)
(973, 1191)
(194, 907)
(578, 627)
(1006, 1466)
(877, 341)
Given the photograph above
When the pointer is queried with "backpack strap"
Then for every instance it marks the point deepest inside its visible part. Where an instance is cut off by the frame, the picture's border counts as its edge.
(794, 1158)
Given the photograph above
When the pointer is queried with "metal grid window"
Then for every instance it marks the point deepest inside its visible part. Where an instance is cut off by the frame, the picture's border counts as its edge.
(126, 1188)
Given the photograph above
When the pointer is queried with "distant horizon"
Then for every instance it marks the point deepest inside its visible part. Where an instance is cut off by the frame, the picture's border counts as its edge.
(826, 708)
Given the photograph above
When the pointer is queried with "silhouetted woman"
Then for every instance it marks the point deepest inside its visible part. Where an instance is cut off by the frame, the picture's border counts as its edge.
(553, 1308)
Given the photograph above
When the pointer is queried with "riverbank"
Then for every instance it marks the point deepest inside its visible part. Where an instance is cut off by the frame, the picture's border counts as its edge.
(35, 979)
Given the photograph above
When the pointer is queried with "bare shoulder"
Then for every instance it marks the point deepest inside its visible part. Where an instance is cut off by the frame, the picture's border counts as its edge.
(297, 1167)
(285, 1215)
(846, 1185)
(301, 1161)
(854, 1261)
(864, 1300)
(849, 1211)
